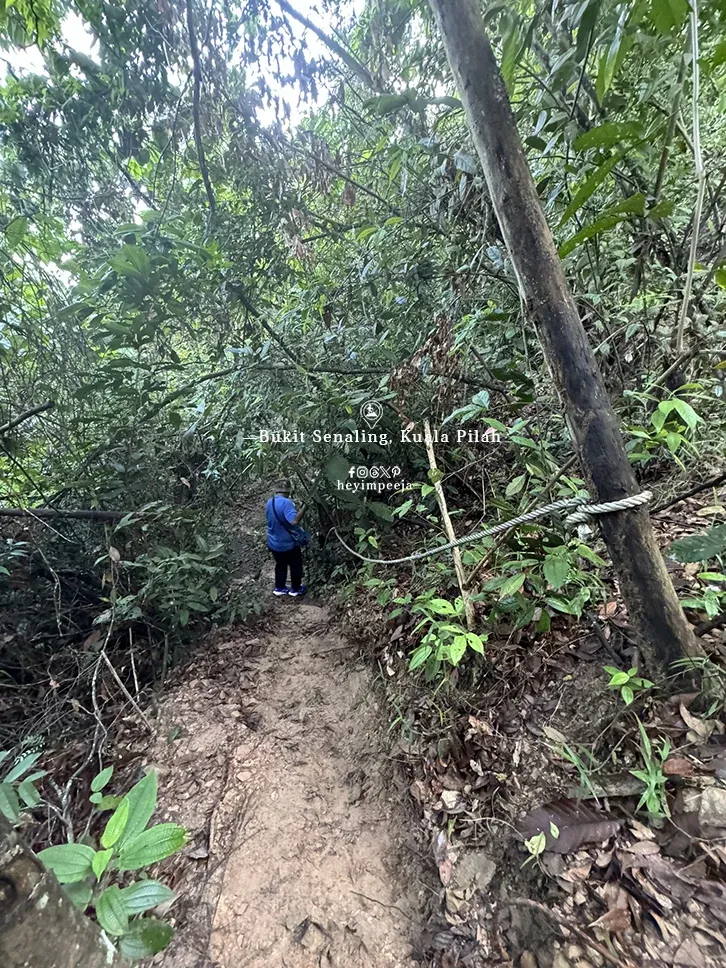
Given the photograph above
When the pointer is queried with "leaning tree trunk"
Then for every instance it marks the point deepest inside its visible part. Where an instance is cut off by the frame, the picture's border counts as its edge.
(655, 613)
(39, 925)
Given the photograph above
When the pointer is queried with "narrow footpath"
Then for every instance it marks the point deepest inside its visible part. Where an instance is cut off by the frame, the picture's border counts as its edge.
(272, 750)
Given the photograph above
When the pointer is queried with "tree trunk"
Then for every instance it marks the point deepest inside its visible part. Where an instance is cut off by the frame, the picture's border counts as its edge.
(655, 613)
(39, 925)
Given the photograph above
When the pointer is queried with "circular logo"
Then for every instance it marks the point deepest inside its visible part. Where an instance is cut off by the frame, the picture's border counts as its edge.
(371, 412)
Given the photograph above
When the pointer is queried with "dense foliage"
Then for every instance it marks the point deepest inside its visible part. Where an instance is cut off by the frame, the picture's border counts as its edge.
(216, 220)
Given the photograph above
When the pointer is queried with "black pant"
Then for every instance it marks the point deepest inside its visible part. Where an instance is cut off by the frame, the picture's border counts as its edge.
(293, 559)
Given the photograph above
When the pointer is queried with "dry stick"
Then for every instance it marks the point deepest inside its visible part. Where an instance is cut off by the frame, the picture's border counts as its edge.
(713, 482)
(701, 178)
(58, 513)
(449, 528)
(712, 624)
(578, 932)
(125, 691)
(48, 405)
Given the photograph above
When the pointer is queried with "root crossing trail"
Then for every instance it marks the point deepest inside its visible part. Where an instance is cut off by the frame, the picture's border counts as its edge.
(309, 860)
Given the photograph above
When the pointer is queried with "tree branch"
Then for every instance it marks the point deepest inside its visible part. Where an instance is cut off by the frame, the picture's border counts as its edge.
(197, 73)
(16, 421)
(360, 70)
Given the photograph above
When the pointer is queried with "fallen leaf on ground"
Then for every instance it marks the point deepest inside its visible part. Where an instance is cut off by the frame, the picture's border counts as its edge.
(568, 825)
(678, 766)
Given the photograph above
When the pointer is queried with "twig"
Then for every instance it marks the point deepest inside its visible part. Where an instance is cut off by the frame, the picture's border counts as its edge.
(11, 424)
(59, 513)
(713, 623)
(360, 70)
(449, 528)
(578, 932)
(125, 691)
(701, 178)
(713, 482)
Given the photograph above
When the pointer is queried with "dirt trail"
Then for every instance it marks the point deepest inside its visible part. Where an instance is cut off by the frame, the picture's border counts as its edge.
(301, 854)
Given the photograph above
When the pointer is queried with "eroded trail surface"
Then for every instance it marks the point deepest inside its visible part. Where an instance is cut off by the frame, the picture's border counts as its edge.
(300, 837)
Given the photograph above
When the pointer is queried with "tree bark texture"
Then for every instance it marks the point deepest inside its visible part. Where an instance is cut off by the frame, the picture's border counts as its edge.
(655, 613)
(39, 925)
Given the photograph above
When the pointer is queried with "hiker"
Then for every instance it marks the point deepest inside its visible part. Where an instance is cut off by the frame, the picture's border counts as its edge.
(286, 539)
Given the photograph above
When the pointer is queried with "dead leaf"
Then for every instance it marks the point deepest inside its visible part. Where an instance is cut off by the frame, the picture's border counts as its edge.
(643, 848)
(114, 554)
(554, 734)
(479, 727)
(689, 955)
(616, 920)
(640, 831)
(698, 729)
(576, 875)
(678, 766)
(568, 825)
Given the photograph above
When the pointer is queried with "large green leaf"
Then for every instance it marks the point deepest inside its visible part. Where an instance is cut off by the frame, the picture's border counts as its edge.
(145, 938)
(668, 15)
(635, 205)
(15, 231)
(80, 893)
(587, 188)
(607, 135)
(141, 799)
(116, 824)
(69, 862)
(144, 895)
(111, 913)
(9, 803)
(556, 568)
(101, 779)
(700, 547)
(151, 846)
(22, 766)
(337, 469)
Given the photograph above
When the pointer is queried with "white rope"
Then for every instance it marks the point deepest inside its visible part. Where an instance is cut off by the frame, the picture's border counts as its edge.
(585, 513)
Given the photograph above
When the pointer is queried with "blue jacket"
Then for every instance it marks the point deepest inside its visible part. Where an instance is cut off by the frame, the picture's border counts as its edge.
(278, 539)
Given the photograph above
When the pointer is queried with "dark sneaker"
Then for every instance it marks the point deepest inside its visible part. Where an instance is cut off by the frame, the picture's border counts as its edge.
(301, 591)
(281, 591)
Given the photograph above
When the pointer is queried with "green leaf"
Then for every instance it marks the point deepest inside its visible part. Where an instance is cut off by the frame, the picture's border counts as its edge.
(142, 803)
(22, 766)
(719, 277)
(386, 103)
(116, 824)
(589, 186)
(100, 862)
(111, 912)
(606, 135)
(556, 568)
(80, 893)
(457, 649)
(144, 895)
(151, 846)
(515, 485)
(69, 862)
(439, 606)
(668, 15)
(634, 205)
(9, 803)
(145, 938)
(686, 412)
(101, 779)
(419, 656)
(627, 695)
(587, 553)
(28, 794)
(700, 547)
(619, 678)
(15, 231)
(337, 469)
(511, 586)
(475, 642)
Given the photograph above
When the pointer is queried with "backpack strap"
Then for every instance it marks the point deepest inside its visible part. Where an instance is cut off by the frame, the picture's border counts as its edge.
(282, 521)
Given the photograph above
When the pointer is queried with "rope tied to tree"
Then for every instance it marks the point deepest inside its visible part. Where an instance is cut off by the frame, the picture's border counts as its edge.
(586, 512)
